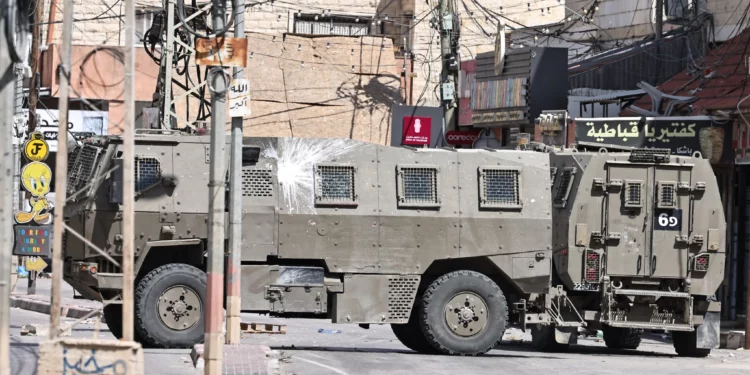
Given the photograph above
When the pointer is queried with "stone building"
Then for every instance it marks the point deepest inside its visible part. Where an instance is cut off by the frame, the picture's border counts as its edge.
(326, 68)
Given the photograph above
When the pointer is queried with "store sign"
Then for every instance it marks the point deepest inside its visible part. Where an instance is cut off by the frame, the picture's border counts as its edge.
(682, 135)
(498, 117)
(416, 126)
(458, 137)
(81, 124)
(417, 131)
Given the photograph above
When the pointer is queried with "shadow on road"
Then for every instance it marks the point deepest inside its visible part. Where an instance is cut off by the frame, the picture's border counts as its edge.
(586, 350)
(393, 351)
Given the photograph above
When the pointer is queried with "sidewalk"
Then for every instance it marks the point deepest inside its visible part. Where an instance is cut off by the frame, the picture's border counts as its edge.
(40, 302)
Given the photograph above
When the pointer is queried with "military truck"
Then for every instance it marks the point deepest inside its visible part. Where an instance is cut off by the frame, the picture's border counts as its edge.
(638, 244)
(447, 246)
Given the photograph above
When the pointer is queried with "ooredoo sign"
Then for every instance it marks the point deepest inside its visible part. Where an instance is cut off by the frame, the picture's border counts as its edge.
(458, 137)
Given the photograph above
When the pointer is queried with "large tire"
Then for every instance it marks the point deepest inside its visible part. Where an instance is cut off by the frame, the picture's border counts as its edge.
(463, 313)
(410, 334)
(685, 344)
(169, 306)
(113, 318)
(543, 339)
(622, 338)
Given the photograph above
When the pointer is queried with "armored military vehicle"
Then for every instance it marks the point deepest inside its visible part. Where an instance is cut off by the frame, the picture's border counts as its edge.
(638, 244)
(447, 246)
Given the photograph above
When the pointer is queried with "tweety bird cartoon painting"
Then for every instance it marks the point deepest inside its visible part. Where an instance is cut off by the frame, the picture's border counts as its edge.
(37, 179)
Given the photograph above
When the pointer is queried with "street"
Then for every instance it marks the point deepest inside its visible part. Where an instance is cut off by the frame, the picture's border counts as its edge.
(305, 351)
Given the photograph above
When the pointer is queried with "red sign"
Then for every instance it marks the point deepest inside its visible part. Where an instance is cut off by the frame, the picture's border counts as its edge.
(417, 131)
(457, 137)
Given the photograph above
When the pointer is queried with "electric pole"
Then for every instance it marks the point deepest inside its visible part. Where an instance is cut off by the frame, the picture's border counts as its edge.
(235, 204)
(659, 14)
(33, 87)
(217, 80)
(128, 185)
(61, 169)
(6, 203)
(448, 76)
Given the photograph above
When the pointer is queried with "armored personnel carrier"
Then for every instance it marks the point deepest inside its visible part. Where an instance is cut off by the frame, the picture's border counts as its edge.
(447, 246)
(638, 244)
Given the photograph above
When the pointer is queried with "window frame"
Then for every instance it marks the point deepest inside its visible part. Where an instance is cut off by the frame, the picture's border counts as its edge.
(483, 204)
(401, 188)
(319, 202)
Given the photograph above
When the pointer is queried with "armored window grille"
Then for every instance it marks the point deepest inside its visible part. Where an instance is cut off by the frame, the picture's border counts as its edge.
(667, 195)
(418, 186)
(552, 176)
(633, 194)
(257, 182)
(147, 173)
(563, 189)
(334, 184)
(499, 187)
(83, 167)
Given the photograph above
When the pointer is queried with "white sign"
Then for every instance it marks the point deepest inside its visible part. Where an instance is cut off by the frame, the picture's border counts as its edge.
(80, 124)
(239, 98)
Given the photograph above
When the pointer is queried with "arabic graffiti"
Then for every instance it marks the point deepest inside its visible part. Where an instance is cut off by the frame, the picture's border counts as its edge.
(683, 136)
(89, 365)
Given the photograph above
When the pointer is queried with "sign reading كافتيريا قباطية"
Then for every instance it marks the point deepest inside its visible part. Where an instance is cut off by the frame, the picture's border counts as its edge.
(683, 135)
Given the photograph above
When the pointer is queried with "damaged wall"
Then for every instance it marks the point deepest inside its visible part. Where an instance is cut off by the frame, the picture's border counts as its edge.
(338, 87)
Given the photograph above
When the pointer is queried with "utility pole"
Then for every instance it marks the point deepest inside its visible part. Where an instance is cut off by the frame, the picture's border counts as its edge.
(6, 200)
(234, 298)
(128, 185)
(448, 75)
(217, 80)
(36, 34)
(61, 169)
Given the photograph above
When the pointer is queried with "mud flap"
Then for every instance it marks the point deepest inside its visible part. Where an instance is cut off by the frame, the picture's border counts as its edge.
(707, 334)
(566, 335)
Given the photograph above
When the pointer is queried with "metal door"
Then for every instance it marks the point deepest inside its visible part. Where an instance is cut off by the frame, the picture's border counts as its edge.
(671, 224)
(627, 232)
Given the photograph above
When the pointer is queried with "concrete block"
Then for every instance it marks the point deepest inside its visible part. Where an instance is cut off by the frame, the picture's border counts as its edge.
(87, 356)
(197, 356)
(732, 339)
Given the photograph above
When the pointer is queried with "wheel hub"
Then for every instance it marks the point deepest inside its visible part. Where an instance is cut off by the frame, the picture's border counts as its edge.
(466, 314)
(179, 307)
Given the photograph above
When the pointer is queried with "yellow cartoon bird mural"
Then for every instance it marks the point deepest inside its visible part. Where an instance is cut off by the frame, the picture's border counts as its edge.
(37, 179)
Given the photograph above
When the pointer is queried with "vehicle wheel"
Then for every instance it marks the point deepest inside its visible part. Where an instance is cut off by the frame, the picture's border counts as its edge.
(622, 338)
(169, 306)
(543, 339)
(410, 334)
(685, 344)
(463, 313)
(113, 319)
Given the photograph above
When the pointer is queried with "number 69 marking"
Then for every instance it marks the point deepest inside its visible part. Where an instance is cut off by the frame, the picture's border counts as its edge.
(666, 220)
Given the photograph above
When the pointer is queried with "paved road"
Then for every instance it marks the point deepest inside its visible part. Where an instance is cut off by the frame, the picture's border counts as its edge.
(376, 351)
(24, 349)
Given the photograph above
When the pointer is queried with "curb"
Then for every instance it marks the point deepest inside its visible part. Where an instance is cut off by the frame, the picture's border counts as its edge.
(44, 307)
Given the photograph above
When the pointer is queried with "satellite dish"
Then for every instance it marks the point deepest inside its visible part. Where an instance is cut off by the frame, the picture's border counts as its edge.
(500, 48)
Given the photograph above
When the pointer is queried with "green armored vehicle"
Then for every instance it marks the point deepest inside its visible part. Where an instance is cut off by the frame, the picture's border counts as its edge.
(447, 246)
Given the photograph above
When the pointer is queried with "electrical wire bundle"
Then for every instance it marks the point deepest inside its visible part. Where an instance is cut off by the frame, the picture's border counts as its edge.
(187, 34)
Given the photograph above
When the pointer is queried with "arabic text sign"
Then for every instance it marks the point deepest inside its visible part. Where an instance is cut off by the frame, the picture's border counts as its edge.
(239, 98)
(683, 135)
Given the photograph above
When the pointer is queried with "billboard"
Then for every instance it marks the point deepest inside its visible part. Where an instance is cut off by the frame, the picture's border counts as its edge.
(80, 124)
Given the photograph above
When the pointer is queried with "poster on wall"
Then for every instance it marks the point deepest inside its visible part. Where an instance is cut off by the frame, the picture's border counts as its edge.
(682, 135)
